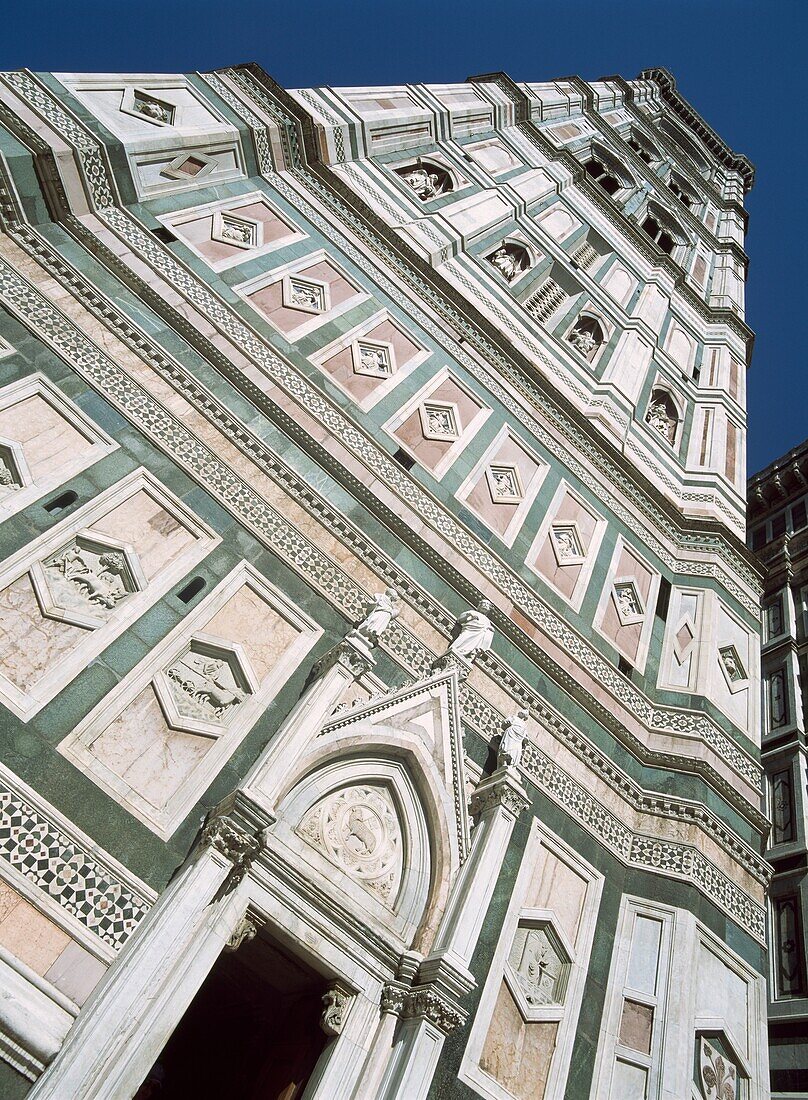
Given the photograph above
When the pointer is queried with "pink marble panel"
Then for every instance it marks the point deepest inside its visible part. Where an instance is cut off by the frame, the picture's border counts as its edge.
(429, 452)
(517, 1054)
(30, 644)
(496, 513)
(565, 577)
(341, 367)
(628, 637)
(157, 536)
(48, 440)
(198, 231)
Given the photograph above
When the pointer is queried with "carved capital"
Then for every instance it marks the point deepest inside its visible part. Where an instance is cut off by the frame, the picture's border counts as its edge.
(502, 789)
(336, 1002)
(351, 654)
(234, 843)
(422, 1002)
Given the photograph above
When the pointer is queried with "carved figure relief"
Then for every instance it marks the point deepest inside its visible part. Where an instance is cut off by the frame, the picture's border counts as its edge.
(307, 295)
(373, 359)
(427, 180)
(627, 600)
(229, 228)
(719, 1077)
(510, 260)
(357, 828)
(86, 581)
(731, 664)
(539, 965)
(505, 484)
(205, 686)
(141, 104)
(566, 544)
(336, 1002)
(439, 421)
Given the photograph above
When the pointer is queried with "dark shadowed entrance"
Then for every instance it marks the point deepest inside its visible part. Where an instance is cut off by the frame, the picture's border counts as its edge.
(252, 1031)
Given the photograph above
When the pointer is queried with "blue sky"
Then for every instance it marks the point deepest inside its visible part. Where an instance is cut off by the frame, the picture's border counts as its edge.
(740, 62)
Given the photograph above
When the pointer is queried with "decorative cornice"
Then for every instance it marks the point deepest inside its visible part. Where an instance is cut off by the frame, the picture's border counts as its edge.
(501, 790)
(736, 162)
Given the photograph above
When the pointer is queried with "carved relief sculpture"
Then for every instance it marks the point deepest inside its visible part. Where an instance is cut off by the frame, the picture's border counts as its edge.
(662, 415)
(86, 580)
(206, 685)
(539, 966)
(719, 1077)
(357, 828)
(336, 1002)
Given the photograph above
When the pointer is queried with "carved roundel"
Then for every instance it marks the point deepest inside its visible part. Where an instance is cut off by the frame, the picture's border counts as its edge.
(357, 828)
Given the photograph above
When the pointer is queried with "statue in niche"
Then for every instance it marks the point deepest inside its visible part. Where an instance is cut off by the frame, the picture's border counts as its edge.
(384, 609)
(205, 680)
(509, 262)
(425, 183)
(661, 417)
(474, 632)
(100, 581)
(512, 740)
(584, 341)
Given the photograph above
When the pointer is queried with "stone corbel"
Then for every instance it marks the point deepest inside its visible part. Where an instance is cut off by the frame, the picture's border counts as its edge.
(247, 930)
(336, 1004)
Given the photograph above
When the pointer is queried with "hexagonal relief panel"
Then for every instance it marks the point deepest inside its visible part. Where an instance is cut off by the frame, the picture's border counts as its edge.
(203, 688)
(504, 483)
(538, 968)
(732, 667)
(309, 295)
(14, 472)
(566, 543)
(236, 230)
(440, 420)
(148, 107)
(374, 358)
(627, 601)
(87, 579)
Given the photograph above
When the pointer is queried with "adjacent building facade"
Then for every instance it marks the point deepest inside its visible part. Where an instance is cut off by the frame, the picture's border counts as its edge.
(778, 533)
(380, 667)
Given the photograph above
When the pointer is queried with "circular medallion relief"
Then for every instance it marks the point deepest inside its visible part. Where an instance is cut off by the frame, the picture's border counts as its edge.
(358, 829)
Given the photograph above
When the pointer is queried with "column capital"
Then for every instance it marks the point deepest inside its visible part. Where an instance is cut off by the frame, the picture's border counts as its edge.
(502, 788)
(350, 654)
(422, 1002)
(448, 662)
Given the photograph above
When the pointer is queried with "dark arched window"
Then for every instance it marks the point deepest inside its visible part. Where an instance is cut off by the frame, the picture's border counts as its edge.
(603, 175)
(684, 196)
(643, 148)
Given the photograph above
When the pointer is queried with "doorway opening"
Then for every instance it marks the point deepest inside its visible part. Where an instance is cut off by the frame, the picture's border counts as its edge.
(252, 1031)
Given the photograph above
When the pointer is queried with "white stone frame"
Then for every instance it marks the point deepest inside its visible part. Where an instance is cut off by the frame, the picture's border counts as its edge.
(469, 148)
(6, 348)
(612, 578)
(288, 284)
(511, 468)
(37, 385)
(628, 618)
(351, 338)
(470, 1072)
(380, 345)
(75, 747)
(742, 681)
(550, 520)
(512, 530)
(540, 918)
(662, 384)
(577, 558)
(671, 650)
(423, 395)
(176, 219)
(26, 704)
(311, 321)
(173, 170)
(16, 457)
